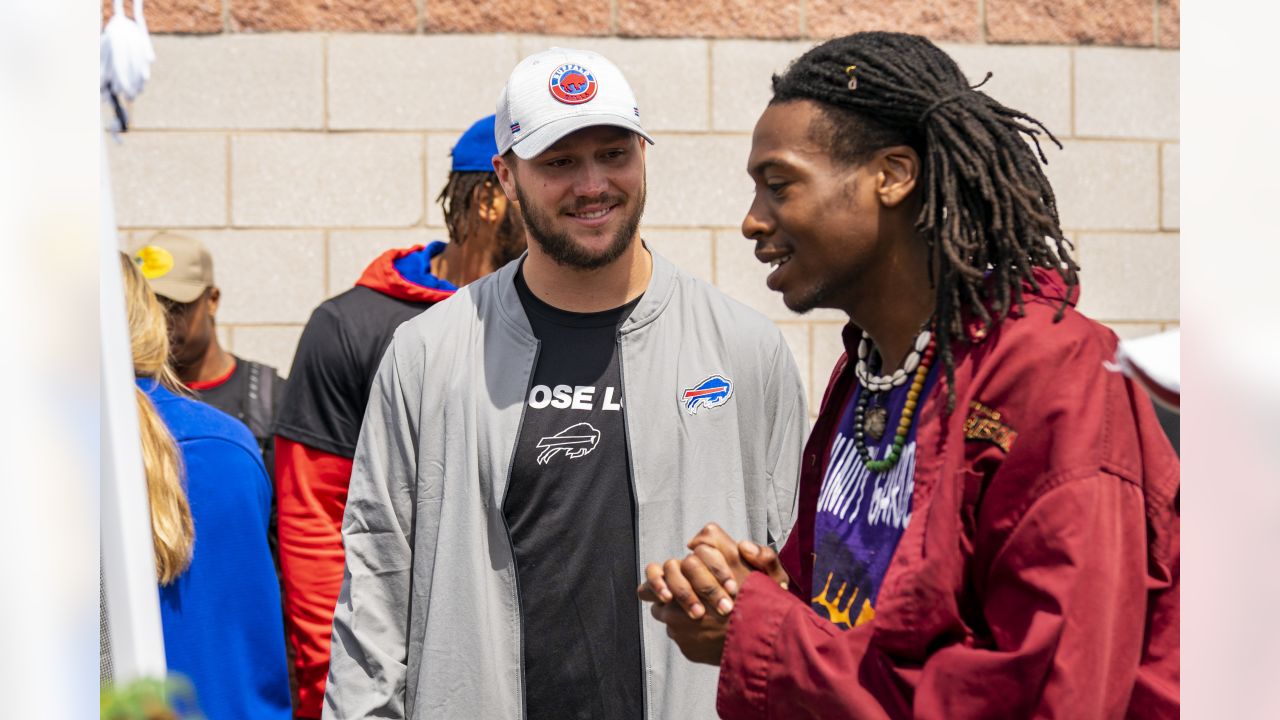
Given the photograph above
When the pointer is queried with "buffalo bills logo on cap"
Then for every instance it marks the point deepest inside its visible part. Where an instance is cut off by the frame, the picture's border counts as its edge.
(572, 84)
(710, 393)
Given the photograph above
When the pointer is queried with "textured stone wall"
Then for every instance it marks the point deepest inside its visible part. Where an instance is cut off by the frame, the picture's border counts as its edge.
(1113, 22)
(299, 156)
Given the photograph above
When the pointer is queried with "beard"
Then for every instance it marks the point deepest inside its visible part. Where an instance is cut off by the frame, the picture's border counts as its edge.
(510, 240)
(562, 248)
(809, 299)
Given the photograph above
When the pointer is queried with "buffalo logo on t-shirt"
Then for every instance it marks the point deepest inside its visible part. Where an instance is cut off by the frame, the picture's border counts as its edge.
(574, 441)
(710, 393)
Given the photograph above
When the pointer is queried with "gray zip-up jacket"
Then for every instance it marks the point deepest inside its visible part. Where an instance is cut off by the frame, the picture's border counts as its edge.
(428, 622)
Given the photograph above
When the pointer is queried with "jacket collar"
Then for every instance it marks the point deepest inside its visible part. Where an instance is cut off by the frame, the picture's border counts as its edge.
(657, 295)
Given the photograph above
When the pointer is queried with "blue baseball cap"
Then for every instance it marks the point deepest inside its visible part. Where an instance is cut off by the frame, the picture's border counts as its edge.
(474, 151)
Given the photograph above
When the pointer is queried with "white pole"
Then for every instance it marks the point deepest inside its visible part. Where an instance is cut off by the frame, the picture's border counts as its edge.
(128, 559)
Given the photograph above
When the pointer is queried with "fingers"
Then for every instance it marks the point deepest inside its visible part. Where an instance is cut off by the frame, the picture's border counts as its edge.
(654, 585)
(764, 559)
(715, 536)
(705, 583)
(719, 567)
(681, 590)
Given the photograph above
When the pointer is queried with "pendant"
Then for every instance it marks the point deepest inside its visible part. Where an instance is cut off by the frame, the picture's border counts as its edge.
(876, 420)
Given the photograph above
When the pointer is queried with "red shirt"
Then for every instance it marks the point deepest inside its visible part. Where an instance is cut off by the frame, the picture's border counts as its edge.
(1038, 575)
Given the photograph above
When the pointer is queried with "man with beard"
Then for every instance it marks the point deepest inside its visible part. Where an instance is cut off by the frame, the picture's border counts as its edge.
(332, 373)
(601, 404)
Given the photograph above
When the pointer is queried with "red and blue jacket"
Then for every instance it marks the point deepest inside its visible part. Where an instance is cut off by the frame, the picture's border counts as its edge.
(316, 433)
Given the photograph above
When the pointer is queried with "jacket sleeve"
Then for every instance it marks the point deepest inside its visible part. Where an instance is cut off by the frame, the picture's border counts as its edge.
(311, 490)
(789, 416)
(1064, 610)
(367, 662)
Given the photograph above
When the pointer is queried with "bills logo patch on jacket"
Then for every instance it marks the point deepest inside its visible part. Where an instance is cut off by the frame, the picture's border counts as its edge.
(710, 393)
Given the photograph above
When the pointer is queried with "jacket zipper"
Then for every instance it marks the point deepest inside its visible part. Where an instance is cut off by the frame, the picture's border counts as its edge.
(635, 521)
(515, 566)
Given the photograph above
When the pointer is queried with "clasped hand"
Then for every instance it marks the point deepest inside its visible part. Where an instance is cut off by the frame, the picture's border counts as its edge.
(682, 590)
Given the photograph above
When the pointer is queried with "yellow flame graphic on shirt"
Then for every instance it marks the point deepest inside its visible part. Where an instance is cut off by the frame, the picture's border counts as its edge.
(844, 618)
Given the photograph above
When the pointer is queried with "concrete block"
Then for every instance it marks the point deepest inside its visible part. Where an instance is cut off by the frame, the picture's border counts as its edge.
(177, 16)
(545, 17)
(688, 249)
(1131, 277)
(221, 82)
(266, 276)
(1085, 22)
(337, 15)
(1170, 22)
(169, 179)
(741, 73)
(439, 161)
(1126, 93)
(1103, 185)
(351, 251)
(935, 19)
(272, 344)
(669, 77)
(698, 180)
(742, 277)
(432, 82)
(1033, 79)
(300, 180)
(709, 18)
(1135, 330)
(1170, 186)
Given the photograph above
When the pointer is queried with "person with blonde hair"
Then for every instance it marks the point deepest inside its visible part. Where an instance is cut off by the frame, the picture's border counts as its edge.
(210, 501)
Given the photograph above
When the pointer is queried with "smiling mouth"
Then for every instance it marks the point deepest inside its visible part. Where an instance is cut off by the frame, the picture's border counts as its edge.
(775, 256)
(592, 214)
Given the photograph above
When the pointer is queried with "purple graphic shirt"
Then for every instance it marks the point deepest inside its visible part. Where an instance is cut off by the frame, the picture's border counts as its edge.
(861, 514)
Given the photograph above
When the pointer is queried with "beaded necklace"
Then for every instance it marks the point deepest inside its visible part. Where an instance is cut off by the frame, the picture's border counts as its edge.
(873, 422)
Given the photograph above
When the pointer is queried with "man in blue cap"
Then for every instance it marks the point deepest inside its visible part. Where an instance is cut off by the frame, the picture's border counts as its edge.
(329, 384)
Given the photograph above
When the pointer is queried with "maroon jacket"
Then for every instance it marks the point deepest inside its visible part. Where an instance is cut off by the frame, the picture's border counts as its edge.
(1038, 576)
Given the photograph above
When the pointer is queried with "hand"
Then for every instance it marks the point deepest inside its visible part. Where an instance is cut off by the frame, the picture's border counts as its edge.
(711, 575)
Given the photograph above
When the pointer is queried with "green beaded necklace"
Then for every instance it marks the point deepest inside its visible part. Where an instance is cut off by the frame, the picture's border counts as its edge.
(904, 423)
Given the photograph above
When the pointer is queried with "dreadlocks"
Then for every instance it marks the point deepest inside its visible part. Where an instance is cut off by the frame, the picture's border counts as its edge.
(463, 199)
(460, 198)
(988, 213)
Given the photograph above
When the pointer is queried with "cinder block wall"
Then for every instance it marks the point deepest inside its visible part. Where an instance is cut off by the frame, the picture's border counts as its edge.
(300, 138)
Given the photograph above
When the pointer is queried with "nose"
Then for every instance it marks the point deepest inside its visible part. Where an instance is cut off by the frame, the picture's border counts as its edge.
(757, 223)
(592, 180)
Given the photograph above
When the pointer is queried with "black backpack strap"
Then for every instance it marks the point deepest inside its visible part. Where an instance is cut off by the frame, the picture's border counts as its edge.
(259, 400)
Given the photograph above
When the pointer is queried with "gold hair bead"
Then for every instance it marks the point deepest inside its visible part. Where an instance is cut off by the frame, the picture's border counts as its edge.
(853, 80)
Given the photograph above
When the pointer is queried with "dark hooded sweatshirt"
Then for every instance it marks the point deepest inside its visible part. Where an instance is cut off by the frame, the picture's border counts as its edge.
(316, 433)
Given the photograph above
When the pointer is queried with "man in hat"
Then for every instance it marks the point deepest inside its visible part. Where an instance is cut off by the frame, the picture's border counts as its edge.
(600, 405)
(180, 272)
(329, 385)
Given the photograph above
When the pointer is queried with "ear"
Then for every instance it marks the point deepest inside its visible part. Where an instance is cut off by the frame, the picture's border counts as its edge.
(213, 297)
(506, 173)
(899, 169)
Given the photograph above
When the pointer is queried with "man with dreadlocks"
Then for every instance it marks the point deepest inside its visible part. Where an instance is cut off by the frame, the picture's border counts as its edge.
(988, 521)
(329, 386)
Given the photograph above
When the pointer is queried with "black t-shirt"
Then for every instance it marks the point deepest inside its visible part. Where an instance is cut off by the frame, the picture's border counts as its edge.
(571, 514)
(253, 395)
(338, 355)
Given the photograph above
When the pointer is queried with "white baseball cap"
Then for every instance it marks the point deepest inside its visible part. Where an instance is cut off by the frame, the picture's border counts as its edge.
(558, 91)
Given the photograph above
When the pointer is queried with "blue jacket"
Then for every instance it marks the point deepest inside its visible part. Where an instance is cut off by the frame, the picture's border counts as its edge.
(221, 618)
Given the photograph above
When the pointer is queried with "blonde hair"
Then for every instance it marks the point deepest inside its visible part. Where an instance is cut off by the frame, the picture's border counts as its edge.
(172, 530)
